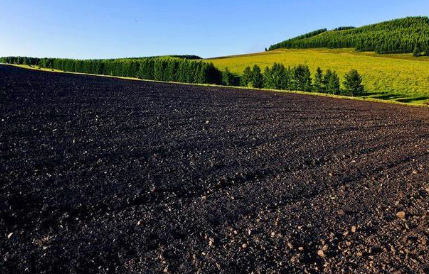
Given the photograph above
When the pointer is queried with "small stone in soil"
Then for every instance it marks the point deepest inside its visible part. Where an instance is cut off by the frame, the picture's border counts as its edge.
(401, 215)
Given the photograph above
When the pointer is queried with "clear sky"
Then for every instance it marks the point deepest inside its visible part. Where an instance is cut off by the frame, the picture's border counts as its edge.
(208, 28)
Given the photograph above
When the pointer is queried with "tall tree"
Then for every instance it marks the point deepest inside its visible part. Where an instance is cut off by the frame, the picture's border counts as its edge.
(302, 78)
(257, 77)
(268, 79)
(353, 83)
(332, 82)
(229, 79)
(318, 80)
(247, 76)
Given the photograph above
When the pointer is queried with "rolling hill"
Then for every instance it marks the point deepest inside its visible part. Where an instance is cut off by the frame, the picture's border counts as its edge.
(404, 35)
(392, 56)
(388, 76)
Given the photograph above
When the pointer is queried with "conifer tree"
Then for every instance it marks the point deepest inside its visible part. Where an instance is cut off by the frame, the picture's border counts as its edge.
(301, 78)
(268, 79)
(318, 80)
(331, 82)
(247, 77)
(257, 77)
(353, 83)
(227, 77)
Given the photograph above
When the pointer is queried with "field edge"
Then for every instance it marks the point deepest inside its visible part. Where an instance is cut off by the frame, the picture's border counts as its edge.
(357, 98)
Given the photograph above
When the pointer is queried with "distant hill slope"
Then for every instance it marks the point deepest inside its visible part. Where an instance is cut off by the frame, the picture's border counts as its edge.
(404, 35)
(400, 75)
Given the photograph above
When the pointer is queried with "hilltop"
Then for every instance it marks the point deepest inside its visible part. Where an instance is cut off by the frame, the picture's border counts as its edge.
(405, 35)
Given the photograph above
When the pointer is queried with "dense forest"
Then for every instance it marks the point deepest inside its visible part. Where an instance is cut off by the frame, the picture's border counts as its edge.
(151, 68)
(407, 35)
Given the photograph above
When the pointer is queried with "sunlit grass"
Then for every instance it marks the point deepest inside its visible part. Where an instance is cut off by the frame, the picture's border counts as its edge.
(402, 75)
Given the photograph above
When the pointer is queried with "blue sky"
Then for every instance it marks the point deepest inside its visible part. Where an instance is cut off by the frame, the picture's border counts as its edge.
(132, 28)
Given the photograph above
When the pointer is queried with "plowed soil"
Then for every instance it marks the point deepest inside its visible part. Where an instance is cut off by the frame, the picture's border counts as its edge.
(102, 175)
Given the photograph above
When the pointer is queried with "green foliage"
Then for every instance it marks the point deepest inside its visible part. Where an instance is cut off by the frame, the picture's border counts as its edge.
(230, 79)
(190, 57)
(252, 77)
(246, 79)
(287, 43)
(277, 77)
(20, 60)
(318, 80)
(421, 50)
(296, 78)
(192, 71)
(343, 28)
(208, 73)
(353, 83)
(301, 78)
(416, 52)
(152, 68)
(257, 77)
(331, 82)
(395, 36)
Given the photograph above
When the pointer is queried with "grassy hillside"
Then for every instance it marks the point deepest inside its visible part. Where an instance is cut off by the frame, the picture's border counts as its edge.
(390, 76)
(404, 35)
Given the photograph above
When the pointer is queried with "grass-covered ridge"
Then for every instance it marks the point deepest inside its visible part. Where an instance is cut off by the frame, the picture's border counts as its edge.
(399, 77)
(404, 35)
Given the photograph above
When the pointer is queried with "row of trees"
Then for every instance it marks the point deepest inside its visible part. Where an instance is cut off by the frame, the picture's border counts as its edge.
(405, 35)
(20, 60)
(188, 71)
(179, 70)
(298, 78)
(153, 68)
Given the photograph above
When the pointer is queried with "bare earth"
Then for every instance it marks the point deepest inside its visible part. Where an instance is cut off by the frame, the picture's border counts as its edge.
(102, 175)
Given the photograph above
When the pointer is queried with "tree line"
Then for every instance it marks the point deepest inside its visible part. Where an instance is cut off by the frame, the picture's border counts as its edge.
(190, 71)
(407, 35)
(297, 78)
(152, 68)
(285, 44)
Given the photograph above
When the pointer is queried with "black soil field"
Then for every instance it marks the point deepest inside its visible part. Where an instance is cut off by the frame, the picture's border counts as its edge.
(103, 175)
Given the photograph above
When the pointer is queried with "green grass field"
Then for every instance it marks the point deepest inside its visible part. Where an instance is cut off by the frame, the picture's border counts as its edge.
(394, 77)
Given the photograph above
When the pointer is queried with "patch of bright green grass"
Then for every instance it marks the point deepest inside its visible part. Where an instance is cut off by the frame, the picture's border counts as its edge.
(396, 77)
